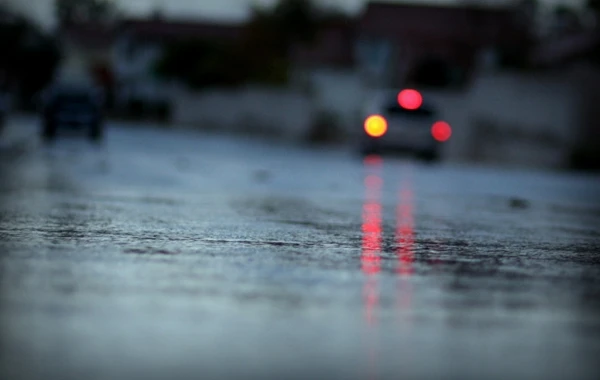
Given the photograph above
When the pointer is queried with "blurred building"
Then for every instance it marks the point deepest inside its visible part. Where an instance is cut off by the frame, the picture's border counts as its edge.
(437, 45)
(511, 95)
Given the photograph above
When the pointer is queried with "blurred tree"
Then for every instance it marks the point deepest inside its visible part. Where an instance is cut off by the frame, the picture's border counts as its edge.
(29, 57)
(295, 21)
(272, 32)
(593, 5)
(566, 20)
(432, 72)
(70, 12)
(527, 15)
(261, 56)
(201, 64)
(594, 9)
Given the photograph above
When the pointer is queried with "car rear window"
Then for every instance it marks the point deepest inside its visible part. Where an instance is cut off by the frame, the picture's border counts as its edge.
(394, 109)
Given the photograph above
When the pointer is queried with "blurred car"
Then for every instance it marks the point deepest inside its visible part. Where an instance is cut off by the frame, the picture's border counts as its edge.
(74, 107)
(403, 121)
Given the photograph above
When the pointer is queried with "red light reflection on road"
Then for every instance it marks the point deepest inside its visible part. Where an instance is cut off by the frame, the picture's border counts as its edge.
(373, 160)
(405, 230)
(372, 242)
(371, 216)
(371, 249)
(404, 245)
(371, 233)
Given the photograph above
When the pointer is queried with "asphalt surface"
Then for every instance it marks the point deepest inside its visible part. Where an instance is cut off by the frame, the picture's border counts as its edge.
(184, 255)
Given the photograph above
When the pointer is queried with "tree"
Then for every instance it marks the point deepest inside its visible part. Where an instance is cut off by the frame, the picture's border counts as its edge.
(260, 56)
(272, 32)
(70, 12)
(566, 20)
(286, 23)
(527, 16)
(200, 64)
(593, 5)
(296, 20)
(29, 57)
(433, 72)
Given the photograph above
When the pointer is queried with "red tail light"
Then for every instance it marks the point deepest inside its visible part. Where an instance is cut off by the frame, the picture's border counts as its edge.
(441, 131)
(410, 99)
(376, 126)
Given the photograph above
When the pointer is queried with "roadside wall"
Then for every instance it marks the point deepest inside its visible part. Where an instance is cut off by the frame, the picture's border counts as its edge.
(520, 119)
(341, 92)
(587, 79)
(515, 119)
(254, 110)
(283, 112)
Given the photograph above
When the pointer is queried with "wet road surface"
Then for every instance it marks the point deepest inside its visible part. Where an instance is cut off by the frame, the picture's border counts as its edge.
(183, 255)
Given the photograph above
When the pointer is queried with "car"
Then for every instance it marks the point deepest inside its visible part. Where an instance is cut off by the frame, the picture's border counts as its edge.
(74, 107)
(403, 121)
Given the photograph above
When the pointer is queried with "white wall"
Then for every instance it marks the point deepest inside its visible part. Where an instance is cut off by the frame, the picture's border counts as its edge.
(513, 118)
(505, 118)
(285, 112)
(278, 112)
(341, 92)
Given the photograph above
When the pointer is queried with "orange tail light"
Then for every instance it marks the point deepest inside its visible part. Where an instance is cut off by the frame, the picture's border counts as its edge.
(376, 126)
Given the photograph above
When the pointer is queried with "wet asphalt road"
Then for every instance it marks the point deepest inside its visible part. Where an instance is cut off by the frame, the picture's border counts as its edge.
(183, 255)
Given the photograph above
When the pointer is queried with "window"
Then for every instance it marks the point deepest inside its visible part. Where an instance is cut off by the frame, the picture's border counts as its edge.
(394, 109)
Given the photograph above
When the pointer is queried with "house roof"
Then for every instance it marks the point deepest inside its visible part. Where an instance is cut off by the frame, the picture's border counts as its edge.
(161, 29)
(465, 24)
(334, 46)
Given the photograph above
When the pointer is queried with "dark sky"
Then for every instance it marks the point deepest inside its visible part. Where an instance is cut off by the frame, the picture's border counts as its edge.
(230, 9)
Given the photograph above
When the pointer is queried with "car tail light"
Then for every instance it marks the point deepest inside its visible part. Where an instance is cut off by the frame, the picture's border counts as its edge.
(376, 126)
(441, 131)
(410, 99)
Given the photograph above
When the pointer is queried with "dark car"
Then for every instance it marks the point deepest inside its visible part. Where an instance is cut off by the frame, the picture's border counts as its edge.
(74, 108)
